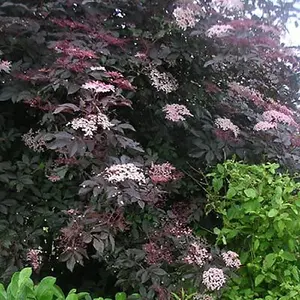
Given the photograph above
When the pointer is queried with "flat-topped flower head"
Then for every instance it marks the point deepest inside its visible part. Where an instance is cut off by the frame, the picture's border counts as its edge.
(98, 87)
(219, 30)
(163, 173)
(226, 124)
(185, 17)
(176, 112)
(214, 279)
(121, 172)
(163, 81)
(90, 124)
(278, 117)
(228, 4)
(264, 126)
(197, 255)
(231, 259)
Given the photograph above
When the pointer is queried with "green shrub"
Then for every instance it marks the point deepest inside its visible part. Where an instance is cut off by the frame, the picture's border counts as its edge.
(22, 287)
(260, 210)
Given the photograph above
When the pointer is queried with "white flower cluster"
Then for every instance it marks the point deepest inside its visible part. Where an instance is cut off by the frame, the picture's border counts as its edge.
(90, 124)
(185, 17)
(163, 81)
(218, 30)
(231, 259)
(213, 279)
(228, 4)
(226, 124)
(122, 172)
(34, 141)
(100, 68)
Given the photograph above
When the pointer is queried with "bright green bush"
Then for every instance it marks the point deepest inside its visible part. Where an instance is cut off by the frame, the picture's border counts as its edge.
(22, 287)
(260, 210)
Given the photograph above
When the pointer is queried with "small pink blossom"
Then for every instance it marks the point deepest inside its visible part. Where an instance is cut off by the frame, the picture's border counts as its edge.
(34, 258)
(53, 178)
(176, 112)
(157, 254)
(226, 124)
(98, 87)
(231, 259)
(178, 230)
(218, 30)
(264, 126)
(141, 55)
(163, 173)
(197, 255)
(5, 66)
(114, 74)
(214, 279)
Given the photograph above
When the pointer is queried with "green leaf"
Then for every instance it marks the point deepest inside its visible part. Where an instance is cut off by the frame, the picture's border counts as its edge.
(288, 256)
(72, 297)
(259, 279)
(24, 275)
(269, 260)
(159, 272)
(121, 296)
(217, 184)
(231, 193)
(272, 213)
(44, 286)
(250, 193)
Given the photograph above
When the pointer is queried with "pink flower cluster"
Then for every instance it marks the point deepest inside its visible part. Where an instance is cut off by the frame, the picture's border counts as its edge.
(163, 173)
(185, 17)
(122, 172)
(278, 117)
(218, 30)
(34, 258)
(264, 126)
(98, 87)
(277, 106)
(177, 229)
(5, 66)
(231, 259)
(157, 254)
(197, 255)
(214, 279)
(251, 94)
(176, 112)
(226, 124)
(53, 178)
(68, 49)
(70, 24)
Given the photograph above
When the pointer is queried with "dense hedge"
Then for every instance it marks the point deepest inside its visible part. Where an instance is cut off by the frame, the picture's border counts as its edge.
(111, 114)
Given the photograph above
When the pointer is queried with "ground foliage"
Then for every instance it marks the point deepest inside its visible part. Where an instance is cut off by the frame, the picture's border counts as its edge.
(111, 230)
